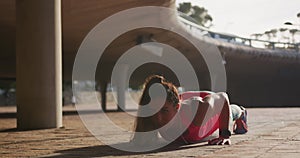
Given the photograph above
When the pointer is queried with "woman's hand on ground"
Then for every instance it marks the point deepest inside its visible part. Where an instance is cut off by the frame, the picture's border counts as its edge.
(219, 141)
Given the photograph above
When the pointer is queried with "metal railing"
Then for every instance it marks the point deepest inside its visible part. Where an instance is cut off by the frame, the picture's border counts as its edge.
(202, 31)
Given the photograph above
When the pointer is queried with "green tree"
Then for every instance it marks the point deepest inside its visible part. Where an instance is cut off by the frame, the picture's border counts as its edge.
(273, 33)
(268, 34)
(282, 31)
(257, 35)
(199, 14)
(293, 32)
(185, 7)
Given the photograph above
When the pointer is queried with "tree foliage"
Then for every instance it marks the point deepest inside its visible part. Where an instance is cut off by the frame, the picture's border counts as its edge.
(199, 14)
(184, 7)
(285, 34)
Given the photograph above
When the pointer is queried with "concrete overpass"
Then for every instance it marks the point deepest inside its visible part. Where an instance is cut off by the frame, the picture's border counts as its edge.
(255, 77)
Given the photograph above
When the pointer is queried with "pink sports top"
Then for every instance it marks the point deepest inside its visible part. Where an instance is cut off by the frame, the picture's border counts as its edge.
(195, 133)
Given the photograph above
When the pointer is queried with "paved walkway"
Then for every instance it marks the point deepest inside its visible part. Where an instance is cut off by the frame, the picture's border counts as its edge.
(274, 132)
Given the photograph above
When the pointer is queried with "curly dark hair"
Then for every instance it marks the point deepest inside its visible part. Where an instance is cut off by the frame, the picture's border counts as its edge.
(143, 124)
(172, 93)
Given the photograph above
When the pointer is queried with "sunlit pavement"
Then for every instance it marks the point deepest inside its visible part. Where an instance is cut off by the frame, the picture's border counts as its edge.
(273, 132)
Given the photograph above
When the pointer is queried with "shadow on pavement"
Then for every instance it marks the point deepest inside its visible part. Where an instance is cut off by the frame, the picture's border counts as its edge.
(65, 113)
(9, 130)
(8, 115)
(105, 150)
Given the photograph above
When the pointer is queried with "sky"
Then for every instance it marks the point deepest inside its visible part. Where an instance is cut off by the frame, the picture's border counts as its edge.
(245, 17)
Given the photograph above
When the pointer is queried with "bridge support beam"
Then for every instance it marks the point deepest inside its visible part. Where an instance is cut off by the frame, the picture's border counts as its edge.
(39, 64)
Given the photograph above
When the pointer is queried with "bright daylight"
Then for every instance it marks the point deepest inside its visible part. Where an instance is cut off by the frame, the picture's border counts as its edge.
(150, 78)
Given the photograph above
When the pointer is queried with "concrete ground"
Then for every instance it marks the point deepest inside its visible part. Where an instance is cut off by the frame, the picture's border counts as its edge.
(274, 132)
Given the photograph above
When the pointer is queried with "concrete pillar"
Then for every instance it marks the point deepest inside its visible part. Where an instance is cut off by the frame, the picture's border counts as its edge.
(39, 72)
(103, 90)
(121, 86)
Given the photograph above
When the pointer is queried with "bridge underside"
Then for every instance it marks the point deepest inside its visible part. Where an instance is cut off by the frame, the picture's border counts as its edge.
(255, 77)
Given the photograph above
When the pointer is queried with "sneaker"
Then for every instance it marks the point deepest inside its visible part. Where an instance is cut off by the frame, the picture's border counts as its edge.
(240, 125)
